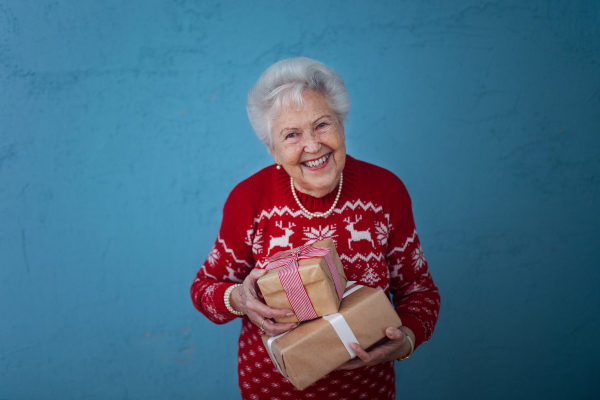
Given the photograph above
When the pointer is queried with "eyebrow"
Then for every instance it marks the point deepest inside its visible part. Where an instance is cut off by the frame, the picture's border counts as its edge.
(321, 117)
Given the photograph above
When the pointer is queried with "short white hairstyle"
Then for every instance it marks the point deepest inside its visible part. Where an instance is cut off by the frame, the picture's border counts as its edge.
(286, 81)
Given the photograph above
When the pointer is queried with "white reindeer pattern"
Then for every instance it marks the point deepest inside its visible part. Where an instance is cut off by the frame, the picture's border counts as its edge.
(231, 275)
(282, 241)
(357, 235)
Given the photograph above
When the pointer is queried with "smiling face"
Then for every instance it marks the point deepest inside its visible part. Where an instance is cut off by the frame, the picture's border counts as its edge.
(309, 143)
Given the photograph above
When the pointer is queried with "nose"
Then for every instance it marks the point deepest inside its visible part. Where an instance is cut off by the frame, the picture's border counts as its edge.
(312, 143)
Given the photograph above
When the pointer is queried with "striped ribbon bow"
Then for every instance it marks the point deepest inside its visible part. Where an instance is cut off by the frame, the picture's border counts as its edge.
(292, 283)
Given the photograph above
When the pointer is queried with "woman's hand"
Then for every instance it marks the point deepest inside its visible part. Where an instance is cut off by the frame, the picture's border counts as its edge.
(245, 299)
(394, 347)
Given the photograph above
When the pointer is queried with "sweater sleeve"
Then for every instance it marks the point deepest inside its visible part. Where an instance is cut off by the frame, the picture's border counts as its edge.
(229, 261)
(414, 294)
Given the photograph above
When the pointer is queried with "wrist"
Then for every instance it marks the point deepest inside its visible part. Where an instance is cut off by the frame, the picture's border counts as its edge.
(409, 332)
(417, 327)
(236, 299)
(230, 299)
(410, 339)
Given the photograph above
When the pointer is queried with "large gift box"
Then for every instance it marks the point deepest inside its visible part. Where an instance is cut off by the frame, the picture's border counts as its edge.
(315, 348)
(309, 280)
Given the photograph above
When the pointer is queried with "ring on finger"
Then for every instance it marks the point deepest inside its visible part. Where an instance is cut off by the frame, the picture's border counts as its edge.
(262, 323)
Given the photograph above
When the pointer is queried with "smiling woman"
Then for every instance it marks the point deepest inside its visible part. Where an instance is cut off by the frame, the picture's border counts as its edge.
(309, 143)
(298, 108)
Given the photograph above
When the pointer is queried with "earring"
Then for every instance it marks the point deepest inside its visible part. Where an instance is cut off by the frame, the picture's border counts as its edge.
(278, 166)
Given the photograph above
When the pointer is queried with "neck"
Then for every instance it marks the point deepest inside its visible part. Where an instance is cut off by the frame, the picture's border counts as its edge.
(318, 193)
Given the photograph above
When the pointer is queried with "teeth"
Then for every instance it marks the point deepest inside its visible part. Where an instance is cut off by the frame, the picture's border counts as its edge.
(317, 163)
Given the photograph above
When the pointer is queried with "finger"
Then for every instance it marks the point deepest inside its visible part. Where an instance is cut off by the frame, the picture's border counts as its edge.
(258, 318)
(254, 275)
(361, 353)
(251, 282)
(257, 306)
(394, 333)
(376, 355)
(273, 328)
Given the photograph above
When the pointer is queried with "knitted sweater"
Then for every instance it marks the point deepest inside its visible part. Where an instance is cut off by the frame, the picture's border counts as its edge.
(375, 236)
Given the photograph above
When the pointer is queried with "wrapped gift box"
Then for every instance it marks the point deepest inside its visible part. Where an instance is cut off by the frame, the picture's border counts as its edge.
(315, 348)
(317, 280)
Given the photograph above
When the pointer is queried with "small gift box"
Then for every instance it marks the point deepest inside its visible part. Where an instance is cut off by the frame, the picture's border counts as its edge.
(309, 280)
(315, 348)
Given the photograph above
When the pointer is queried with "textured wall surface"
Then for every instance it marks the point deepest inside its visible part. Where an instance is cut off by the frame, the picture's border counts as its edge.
(123, 128)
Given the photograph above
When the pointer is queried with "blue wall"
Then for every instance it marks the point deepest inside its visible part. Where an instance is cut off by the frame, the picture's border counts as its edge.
(123, 128)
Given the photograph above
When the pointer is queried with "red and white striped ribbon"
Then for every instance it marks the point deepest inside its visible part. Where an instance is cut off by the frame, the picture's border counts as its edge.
(292, 283)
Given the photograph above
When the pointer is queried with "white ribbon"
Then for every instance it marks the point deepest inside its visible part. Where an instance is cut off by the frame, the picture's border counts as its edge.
(269, 342)
(338, 323)
(350, 291)
(342, 329)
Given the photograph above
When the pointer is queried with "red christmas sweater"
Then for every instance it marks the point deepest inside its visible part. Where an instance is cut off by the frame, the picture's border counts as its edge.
(374, 234)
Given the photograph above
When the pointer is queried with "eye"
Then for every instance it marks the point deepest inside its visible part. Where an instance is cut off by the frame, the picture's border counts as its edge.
(321, 125)
(291, 135)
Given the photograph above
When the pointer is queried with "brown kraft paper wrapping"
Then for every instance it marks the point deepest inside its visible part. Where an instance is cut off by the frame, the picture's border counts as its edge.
(313, 349)
(317, 281)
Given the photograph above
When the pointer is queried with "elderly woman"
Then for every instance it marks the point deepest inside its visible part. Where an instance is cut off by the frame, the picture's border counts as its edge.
(315, 191)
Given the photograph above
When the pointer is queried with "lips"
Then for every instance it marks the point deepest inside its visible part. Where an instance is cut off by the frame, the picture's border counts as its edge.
(319, 162)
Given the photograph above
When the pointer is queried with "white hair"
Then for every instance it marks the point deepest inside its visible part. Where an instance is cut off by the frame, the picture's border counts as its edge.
(286, 81)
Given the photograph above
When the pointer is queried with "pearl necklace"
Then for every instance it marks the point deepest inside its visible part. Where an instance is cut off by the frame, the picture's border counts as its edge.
(318, 215)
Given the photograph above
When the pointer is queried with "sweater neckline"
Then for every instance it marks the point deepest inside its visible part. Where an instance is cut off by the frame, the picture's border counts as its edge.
(311, 203)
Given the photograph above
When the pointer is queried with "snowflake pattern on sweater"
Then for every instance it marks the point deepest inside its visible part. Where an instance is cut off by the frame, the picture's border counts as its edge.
(375, 235)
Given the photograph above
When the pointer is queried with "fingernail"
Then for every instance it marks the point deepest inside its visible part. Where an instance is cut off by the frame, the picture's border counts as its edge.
(290, 313)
